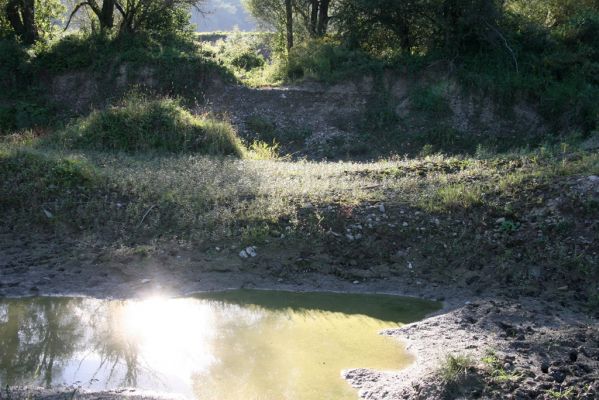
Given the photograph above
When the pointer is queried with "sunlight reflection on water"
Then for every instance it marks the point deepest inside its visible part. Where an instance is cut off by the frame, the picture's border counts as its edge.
(228, 345)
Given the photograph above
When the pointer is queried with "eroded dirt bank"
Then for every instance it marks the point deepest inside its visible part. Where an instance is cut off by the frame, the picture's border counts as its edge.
(516, 347)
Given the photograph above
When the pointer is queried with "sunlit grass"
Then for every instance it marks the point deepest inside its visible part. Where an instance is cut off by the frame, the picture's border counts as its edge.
(193, 196)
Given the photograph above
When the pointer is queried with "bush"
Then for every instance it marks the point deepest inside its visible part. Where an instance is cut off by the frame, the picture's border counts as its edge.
(7, 119)
(13, 64)
(329, 61)
(139, 123)
(33, 179)
(248, 61)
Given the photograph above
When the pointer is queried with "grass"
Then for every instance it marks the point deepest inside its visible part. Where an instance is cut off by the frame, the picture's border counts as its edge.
(262, 188)
(561, 394)
(455, 368)
(497, 371)
(498, 207)
(143, 124)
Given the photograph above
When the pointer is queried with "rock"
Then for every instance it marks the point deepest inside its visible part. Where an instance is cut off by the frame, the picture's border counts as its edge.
(573, 355)
(382, 208)
(558, 376)
(251, 251)
(545, 367)
(47, 213)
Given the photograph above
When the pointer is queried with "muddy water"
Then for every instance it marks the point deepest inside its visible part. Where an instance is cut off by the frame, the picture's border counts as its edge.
(228, 345)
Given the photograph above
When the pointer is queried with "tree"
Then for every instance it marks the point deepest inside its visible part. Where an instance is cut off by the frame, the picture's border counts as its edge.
(104, 12)
(404, 24)
(21, 16)
(140, 15)
(292, 19)
(29, 20)
(289, 23)
(155, 15)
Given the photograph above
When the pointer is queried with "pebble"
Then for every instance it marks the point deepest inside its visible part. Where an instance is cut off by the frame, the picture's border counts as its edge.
(248, 252)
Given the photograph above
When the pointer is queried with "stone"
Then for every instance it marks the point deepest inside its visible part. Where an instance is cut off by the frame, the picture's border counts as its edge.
(545, 367)
(573, 355)
(558, 376)
(251, 251)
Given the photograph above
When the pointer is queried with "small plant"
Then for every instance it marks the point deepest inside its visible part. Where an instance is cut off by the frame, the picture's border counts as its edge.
(259, 150)
(431, 99)
(427, 150)
(561, 394)
(498, 372)
(455, 196)
(455, 368)
(508, 226)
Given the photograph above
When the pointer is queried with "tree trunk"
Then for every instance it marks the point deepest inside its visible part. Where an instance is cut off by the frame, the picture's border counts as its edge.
(289, 12)
(21, 16)
(314, 17)
(106, 16)
(323, 17)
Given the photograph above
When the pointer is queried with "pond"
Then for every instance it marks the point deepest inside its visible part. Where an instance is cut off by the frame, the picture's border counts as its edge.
(239, 344)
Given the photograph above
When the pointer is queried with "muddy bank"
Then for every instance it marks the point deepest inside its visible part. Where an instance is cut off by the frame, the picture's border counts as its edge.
(516, 350)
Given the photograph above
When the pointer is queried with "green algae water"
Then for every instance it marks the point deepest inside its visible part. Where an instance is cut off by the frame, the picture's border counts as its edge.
(227, 345)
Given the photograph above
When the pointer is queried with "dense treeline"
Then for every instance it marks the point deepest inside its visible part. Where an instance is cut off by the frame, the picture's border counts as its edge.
(544, 50)
(31, 20)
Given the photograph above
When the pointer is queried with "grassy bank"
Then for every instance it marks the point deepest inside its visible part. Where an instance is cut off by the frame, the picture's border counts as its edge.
(526, 219)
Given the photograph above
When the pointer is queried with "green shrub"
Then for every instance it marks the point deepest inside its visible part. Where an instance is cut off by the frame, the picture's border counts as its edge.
(431, 99)
(7, 119)
(139, 123)
(248, 61)
(33, 179)
(329, 61)
(13, 64)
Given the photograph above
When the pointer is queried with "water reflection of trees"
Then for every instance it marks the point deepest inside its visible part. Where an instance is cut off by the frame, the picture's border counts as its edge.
(38, 337)
(115, 347)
